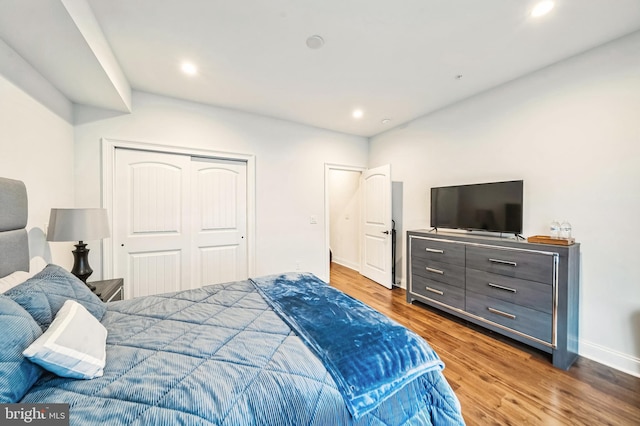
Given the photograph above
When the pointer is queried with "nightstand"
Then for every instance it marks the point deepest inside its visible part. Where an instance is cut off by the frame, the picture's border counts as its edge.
(109, 290)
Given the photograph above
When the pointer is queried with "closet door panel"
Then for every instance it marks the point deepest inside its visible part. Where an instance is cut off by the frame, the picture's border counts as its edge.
(151, 222)
(219, 221)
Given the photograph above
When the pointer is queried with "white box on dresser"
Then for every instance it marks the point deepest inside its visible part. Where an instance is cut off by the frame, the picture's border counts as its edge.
(528, 292)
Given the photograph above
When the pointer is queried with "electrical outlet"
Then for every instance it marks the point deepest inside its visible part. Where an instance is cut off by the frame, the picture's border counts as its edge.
(313, 220)
(297, 265)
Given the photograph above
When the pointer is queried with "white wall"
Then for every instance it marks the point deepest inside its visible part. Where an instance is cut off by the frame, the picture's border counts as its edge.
(290, 161)
(36, 146)
(572, 132)
(344, 208)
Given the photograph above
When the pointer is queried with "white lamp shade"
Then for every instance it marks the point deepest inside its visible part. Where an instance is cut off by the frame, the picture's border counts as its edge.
(78, 225)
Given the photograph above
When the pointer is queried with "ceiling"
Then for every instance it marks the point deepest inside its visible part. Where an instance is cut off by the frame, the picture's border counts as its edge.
(393, 59)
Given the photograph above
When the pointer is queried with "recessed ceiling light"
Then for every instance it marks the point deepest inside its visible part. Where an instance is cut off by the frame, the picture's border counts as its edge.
(357, 113)
(386, 121)
(188, 68)
(315, 42)
(542, 8)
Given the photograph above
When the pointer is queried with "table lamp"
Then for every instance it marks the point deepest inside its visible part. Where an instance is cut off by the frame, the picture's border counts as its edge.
(79, 225)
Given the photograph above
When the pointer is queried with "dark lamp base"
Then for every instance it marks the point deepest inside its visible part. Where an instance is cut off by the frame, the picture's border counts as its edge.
(81, 268)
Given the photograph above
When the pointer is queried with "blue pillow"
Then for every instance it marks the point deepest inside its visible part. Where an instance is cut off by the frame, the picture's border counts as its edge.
(19, 330)
(44, 294)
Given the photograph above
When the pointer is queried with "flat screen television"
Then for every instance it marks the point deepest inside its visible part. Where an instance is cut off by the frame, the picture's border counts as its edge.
(495, 207)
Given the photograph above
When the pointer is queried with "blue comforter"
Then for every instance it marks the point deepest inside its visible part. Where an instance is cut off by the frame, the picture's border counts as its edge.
(220, 355)
(369, 356)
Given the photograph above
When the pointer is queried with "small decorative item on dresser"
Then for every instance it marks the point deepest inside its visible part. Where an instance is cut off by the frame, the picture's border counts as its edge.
(555, 229)
(109, 290)
(565, 230)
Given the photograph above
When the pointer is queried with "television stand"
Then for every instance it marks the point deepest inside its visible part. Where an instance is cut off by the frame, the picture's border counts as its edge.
(528, 292)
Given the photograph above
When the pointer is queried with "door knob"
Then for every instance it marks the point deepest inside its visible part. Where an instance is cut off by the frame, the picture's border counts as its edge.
(385, 232)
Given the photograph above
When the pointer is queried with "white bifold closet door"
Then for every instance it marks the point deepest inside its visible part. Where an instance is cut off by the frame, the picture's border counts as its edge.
(179, 221)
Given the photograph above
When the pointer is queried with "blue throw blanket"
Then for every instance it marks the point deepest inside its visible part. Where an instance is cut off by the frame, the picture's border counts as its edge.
(369, 356)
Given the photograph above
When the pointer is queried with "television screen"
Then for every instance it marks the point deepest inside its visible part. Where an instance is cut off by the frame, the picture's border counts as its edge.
(495, 207)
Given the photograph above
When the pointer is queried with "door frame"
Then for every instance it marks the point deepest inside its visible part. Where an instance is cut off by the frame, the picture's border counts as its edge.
(327, 211)
(109, 147)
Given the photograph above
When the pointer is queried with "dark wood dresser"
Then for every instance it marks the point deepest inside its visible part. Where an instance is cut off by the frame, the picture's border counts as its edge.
(528, 292)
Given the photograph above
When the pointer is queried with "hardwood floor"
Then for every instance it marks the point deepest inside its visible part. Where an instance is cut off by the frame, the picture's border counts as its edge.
(503, 382)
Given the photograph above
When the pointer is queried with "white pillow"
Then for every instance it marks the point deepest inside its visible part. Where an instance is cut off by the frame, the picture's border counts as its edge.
(36, 265)
(12, 280)
(73, 346)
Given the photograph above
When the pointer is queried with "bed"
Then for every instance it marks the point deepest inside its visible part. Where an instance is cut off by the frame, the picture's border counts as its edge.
(283, 349)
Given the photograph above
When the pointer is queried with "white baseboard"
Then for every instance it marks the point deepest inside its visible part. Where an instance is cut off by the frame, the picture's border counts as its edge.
(347, 263)
(623, 362)
(356, 267)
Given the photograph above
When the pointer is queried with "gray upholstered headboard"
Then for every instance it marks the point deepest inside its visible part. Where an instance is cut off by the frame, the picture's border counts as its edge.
(14, 241)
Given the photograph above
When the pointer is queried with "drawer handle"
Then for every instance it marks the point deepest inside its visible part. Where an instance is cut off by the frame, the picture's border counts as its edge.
(512, 290)
(435, 271)
(430, 250)
(433, 290)
(504, 314)
(503, 262)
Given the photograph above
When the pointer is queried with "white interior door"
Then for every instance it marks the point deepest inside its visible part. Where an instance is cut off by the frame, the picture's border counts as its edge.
(151, 221)
(219, 206)
(376, 226)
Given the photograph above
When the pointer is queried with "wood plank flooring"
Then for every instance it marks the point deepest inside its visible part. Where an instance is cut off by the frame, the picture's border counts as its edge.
(499, 381)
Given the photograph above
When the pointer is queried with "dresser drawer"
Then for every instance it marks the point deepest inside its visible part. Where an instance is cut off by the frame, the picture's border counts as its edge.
(526, 265)
(440, 251)
(438, 271)
(531, 294)
(528, 321)
(443, 293)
